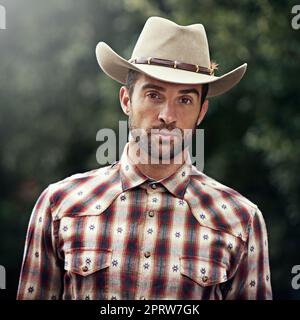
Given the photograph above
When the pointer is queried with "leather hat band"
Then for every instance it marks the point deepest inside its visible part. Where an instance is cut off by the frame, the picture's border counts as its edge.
(172, 64)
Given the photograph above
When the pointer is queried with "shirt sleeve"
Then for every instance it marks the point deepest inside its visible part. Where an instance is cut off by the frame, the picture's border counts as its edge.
(41, 271)
(252, 280)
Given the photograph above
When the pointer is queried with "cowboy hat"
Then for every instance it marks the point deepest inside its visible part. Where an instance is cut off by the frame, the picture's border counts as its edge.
(170, 52)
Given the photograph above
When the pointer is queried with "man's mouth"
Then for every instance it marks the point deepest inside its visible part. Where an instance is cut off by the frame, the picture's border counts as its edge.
(165, 137)
(165, 133)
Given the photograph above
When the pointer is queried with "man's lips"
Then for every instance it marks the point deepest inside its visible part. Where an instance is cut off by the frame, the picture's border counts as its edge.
(164, 133)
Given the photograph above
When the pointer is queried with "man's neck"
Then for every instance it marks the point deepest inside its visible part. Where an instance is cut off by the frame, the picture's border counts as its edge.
(156, 171)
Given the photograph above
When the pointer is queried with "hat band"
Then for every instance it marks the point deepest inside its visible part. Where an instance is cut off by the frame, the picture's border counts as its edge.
(172, 64)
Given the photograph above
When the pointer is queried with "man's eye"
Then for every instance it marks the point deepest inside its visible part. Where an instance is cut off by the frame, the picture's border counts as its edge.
(185, 100)
(153, 95)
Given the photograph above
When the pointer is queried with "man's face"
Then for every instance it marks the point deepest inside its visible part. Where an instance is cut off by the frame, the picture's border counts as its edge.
(172, 109)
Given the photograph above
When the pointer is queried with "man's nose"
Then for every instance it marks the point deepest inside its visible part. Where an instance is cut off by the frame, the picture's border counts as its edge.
(168, 113)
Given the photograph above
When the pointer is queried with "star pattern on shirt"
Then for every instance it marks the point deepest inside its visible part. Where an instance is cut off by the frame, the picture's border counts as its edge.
(224, 206)
(65, 228)
(154, 200)
(113, 298)
(252, 283)
(177, 234)
(119, 230)
(88, 261)
(203, 270)
(150, 230)
(115, 262)
(87, 297)
(230, 246)
(205, 237)
(92, 227)
(202, 216)
(146, 265)
(175, 268)
(123, 197)
(98, 206)
(252, 248)
(31, 289)
(181, 202)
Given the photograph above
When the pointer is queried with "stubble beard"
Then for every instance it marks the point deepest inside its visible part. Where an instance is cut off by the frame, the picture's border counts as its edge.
(155, 149)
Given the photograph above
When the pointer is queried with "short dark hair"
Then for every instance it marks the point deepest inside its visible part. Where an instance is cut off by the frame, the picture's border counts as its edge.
(131, 79)
(133, 75)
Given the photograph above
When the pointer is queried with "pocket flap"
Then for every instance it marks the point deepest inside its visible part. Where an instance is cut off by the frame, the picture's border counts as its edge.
(204, 271)
(85, 261)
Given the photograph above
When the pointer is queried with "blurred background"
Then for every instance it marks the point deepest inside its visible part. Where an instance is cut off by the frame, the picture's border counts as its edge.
(54, 99)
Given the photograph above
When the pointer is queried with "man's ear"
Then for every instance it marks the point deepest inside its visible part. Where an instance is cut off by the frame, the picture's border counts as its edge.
(203, 111)
(125, 100)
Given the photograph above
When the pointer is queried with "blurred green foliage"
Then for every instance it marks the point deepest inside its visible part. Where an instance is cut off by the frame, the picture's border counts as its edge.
(54, 99)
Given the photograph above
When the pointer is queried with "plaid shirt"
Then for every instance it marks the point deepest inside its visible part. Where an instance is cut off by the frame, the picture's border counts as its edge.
(110, 233)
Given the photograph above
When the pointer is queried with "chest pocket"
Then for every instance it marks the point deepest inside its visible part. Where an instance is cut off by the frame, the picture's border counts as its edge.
(87, 261)
(204, 271)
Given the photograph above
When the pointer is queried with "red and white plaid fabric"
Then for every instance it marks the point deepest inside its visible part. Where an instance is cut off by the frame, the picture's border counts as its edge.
(110, 233)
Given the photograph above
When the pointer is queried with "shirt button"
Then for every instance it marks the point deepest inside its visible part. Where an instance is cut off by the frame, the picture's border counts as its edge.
(151, 213)
(204, 278)
(142, 298)
(85, 268)
(147, 254)
(153, 186)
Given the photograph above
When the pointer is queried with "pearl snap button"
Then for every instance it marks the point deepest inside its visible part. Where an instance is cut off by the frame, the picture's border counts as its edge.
(147, 254)
(151, 213)
(85, 268)
(204, 278)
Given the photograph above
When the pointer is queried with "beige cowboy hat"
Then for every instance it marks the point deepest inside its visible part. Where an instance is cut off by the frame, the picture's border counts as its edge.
(170, 52)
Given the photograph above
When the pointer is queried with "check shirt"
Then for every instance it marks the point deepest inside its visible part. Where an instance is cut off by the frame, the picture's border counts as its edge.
(111, 233)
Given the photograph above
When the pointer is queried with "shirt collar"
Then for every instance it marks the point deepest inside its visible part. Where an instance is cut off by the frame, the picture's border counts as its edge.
(129, 173)
(176, 183)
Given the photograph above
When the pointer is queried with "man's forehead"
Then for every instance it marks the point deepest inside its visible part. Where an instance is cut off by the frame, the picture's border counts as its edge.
(145, 79)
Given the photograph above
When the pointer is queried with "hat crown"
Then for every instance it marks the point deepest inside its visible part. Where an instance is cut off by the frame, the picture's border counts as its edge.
(164, 39)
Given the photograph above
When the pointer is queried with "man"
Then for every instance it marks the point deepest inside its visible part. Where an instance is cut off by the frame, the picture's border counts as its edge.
(144, 227)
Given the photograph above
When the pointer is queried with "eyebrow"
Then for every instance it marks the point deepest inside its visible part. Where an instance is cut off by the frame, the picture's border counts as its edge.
(159, 88)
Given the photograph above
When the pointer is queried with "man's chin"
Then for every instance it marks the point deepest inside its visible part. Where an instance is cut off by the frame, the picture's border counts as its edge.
(155, 149)
(165, 152)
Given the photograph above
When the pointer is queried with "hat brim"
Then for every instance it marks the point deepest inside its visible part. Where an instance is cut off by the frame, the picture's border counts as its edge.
(117, 68)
